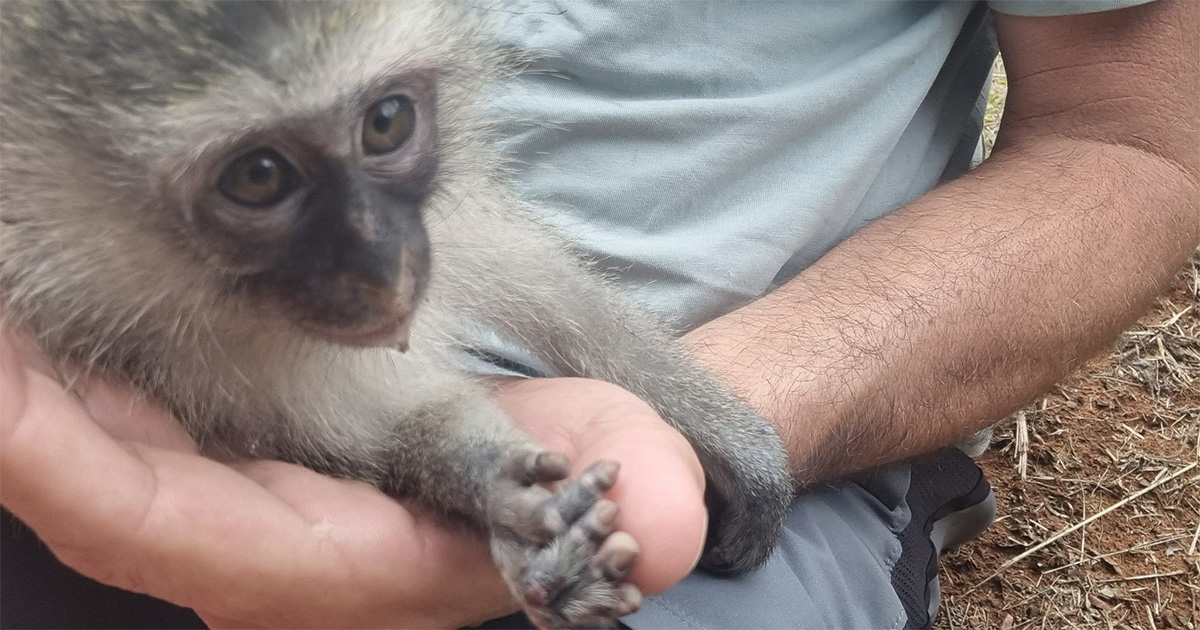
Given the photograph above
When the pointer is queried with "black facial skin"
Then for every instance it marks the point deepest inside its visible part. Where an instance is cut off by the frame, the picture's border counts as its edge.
(358, 264)
(333, 241)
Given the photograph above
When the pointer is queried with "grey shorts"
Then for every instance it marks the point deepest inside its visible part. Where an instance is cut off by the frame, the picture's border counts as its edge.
(859, 553)
(855, 555)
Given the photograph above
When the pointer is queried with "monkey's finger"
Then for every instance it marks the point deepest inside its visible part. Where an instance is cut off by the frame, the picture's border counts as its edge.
(525, 513)
(565, 585)
(530, 467)
(574, 499)
(616, 557)
(598, 523)
(661, 485)
(559, 566)
(534, 514)
(629, 600)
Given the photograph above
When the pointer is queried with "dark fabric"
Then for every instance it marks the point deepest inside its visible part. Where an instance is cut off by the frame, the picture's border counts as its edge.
(518, 622)
(949, 481)
(512, 622)
(38, 591)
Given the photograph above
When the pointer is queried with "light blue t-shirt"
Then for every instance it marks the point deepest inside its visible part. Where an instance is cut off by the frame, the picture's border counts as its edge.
(706, 151)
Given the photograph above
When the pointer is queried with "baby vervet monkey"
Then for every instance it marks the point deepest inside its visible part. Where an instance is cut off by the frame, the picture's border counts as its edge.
(284, 220)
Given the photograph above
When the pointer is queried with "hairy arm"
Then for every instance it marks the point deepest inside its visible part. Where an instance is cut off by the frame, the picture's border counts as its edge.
(959, 308)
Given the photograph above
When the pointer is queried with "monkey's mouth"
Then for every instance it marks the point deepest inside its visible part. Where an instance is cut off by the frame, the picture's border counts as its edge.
(390, 333)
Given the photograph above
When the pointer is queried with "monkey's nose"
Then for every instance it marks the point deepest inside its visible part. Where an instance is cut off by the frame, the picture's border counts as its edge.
(389, 275)
(382, 302)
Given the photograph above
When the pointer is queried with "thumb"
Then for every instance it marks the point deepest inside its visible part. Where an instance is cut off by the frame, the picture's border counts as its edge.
(660, 486)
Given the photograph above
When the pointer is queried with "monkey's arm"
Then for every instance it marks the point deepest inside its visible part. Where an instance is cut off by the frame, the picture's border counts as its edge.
(953, 311)
(543, 299)
(117, 490)
(452, 450)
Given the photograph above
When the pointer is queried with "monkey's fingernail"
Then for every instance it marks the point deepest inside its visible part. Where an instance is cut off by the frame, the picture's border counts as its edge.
(620, 551)
(631, 600)
(601, 476)
(606, 512)
(617, 563)
(552, 466)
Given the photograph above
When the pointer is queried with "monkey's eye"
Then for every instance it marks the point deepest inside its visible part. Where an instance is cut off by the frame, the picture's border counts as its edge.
(258, 179)
(388, 124)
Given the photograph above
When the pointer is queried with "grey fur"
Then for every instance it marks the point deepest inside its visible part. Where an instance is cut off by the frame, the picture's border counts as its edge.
(107, 106)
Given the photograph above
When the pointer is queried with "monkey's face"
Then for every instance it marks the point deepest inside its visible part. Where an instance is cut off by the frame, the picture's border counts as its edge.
(317, 215)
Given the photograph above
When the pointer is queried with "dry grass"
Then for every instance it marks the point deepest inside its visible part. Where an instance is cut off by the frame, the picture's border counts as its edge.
(995, 108)
(1109, 438)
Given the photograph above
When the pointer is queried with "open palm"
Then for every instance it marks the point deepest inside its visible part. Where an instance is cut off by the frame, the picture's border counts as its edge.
(119, 492)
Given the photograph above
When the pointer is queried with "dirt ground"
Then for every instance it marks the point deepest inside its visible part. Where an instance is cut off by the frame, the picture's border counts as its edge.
(1126, 422)
(1106, 467)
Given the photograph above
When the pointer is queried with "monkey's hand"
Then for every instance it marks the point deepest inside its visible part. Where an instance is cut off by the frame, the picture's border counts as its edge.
(555, 544)
(117, 490)
(556, 549)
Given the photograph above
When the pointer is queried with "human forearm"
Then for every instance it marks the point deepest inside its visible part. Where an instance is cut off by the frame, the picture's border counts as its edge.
(952, 312)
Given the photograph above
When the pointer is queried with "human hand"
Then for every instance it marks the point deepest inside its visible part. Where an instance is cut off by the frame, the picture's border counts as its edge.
(118, 491)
